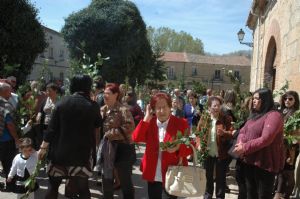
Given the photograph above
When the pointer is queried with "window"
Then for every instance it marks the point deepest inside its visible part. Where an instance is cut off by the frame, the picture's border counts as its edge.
(217, 74)
(61, 53)
(51, 77)
(51, 53)
(237, 74)
(171, 73)
(194, 71)
(61, 76)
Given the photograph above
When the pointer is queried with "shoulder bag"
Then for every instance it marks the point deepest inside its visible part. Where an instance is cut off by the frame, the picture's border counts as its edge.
(186, 181)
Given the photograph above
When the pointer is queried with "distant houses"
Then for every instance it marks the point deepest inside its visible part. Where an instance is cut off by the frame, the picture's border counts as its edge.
(209, 70)
(55, 57)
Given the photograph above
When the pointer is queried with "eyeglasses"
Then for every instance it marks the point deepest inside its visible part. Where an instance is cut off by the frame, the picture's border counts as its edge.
(289, 98)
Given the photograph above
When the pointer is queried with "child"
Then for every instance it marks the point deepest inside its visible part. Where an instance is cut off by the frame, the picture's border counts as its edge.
(22, 167)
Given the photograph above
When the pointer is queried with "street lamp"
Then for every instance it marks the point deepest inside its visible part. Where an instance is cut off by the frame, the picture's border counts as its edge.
(241, 35)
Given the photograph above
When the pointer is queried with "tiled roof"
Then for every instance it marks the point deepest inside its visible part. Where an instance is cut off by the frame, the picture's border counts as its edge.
(194, 58)
(175, 57)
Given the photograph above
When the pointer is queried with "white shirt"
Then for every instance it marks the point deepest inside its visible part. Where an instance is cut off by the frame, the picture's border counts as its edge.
(14, 100)
(19, 164)
(162, 129)
(213, 147)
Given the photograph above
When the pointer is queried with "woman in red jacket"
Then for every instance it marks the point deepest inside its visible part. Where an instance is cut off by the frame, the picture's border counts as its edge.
(162, 127)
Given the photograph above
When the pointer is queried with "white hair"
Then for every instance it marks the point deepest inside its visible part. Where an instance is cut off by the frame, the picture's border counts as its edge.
(4, 86)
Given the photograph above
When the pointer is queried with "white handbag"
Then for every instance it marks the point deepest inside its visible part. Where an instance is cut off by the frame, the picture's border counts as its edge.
(186, 181)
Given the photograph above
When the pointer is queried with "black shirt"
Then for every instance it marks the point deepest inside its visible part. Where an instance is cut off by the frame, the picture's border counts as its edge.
(71, 131)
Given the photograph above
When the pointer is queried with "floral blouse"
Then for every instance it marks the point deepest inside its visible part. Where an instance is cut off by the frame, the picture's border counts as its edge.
(118, 123)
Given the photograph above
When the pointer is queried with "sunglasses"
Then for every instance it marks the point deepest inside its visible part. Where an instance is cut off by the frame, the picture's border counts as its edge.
(289, 98)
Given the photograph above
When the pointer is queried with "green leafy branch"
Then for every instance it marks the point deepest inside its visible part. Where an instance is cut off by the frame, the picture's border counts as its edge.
(30, 183)
(185, 138)
(292, 129)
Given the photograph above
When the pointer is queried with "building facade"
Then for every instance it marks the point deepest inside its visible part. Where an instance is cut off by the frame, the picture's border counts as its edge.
(54, 61)
(276, 40)
(209, 70)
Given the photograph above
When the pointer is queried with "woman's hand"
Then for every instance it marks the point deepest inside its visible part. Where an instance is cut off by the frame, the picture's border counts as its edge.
(173, 149)
(148, 115)
(239, 149)
(9, 179)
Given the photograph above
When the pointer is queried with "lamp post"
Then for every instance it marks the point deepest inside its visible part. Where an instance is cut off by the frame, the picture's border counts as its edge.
(241, 35)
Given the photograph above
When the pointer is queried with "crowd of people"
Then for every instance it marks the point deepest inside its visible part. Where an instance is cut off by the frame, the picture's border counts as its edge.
(97, 127)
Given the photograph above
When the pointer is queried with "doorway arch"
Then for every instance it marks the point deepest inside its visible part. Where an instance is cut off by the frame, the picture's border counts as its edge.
(270, 65)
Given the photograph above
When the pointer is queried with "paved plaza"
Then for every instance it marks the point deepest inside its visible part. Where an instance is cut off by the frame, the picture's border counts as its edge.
(139, 184)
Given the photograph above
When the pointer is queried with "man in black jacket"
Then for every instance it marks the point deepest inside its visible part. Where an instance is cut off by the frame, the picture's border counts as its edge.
(71, 138)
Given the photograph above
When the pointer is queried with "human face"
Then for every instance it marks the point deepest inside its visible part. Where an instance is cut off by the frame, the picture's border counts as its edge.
(215, 108)
(7, 93)
(51, 93)
(162, 110)
(256, 102)
(27, 151)
(289, 101)
(110, 98)
(192, 101)
(174, 104)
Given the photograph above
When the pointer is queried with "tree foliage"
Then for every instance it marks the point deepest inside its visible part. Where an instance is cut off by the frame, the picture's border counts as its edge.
(116, 29)
(158, 70)
(246, 53)
(171, 41)
(21, 37)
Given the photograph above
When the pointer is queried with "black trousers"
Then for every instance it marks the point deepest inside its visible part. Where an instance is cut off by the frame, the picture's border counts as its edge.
(221, 166)
(156, 191)
(124, 171)
(81, 185)
(285, 183)
(7, 155)
(240, 179)
(259, 182)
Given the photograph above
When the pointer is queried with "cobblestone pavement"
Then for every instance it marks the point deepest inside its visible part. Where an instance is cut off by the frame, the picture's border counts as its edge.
(139, 184)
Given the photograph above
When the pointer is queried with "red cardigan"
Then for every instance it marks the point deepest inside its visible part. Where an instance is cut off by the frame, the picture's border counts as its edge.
(147, 132)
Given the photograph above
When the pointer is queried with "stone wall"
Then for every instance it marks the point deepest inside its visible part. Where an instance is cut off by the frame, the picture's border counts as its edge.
(279, 25)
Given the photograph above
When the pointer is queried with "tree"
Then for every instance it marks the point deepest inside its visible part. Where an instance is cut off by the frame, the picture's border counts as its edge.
(158, 70)
(171, 41)
(21, 38)
(246, 53)
(116, 29)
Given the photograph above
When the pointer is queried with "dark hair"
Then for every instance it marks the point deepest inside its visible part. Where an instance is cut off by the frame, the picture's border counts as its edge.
(53, 86)
(230, 97)
(25, 142)
(81, 83)
(192, 94)
(296, 97)
(213, 98)
(99, 83)
(133, 98)
(158, 96)
(267, 103)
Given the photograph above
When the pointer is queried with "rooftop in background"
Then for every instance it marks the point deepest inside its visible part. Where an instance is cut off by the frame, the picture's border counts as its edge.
(194, 58)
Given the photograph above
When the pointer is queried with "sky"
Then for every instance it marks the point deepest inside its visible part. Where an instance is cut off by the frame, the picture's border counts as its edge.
(215, 22)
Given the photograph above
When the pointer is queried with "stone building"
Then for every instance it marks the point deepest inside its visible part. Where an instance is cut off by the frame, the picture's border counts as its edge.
(54, 60)
(276, 40)
(210, 70)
